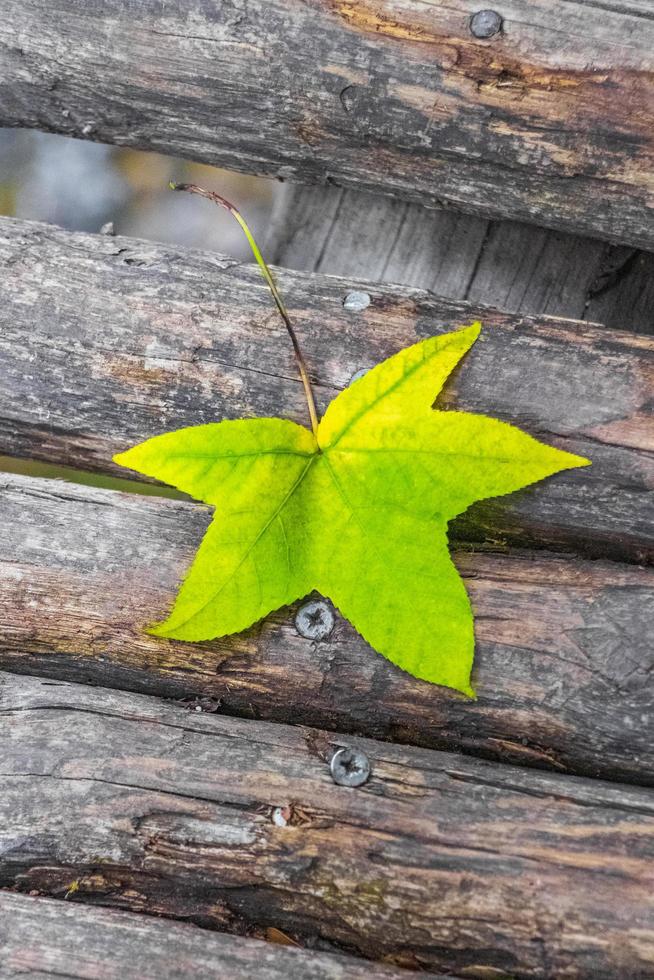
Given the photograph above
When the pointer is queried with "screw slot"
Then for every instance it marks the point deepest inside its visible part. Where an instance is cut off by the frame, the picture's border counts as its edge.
(350, 767)
(486, 23)
(315, 620)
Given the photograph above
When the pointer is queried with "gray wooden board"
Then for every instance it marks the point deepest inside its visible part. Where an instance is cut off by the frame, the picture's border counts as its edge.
(354, 234)
(438, 861)
(622, 293)
(564, 658)
(42, 938)
(517, 267)
(549, 120)
(106, 341)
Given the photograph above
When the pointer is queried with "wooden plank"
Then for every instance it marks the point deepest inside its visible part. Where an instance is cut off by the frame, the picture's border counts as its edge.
(438, 861)
(622, 293)
(563, 664)
(531, 270)
(380, 95)
(42, 938)
(353, 234)
(106, 341)
(516, 267)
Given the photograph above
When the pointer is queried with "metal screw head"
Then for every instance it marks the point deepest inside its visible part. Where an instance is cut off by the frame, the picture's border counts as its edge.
(314, 620)
(350, 767)
(356, 301)
(486, 23)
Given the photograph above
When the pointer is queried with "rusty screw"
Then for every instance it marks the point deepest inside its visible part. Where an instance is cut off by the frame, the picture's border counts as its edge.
(485, 23)
(350, 767)
(314, 620)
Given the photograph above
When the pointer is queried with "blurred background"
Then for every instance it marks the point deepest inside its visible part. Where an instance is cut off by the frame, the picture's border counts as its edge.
(83, 186)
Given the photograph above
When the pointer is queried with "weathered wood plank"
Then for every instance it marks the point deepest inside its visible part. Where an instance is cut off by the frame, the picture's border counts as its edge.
(517, 267)
(529, 270)
(357, 235)
(104, 342)
(382, 95)
(438, 861)
(622, 293)
(564, 653)
(42, 938)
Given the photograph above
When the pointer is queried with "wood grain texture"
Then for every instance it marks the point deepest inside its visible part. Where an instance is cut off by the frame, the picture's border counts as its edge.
(357, 235)
(42, 938)
(549, 121)
(563, 664)
(438, 861)
(106, 341)
(622, 293)
(516, 267)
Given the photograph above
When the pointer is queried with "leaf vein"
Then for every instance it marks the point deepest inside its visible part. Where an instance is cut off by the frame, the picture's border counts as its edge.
(276, 512)
(395, 385)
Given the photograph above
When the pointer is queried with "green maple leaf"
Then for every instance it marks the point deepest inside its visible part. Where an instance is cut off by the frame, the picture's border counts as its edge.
(357, 511)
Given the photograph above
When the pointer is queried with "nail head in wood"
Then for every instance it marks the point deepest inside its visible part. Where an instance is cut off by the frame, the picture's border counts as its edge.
(314, 620)
(356, 301)
(350, 767)
(485, 23)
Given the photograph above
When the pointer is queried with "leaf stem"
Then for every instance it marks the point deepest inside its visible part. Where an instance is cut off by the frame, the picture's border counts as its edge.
(279, 303)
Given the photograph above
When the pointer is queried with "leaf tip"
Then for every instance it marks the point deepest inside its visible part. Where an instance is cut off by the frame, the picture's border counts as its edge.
(573, 462)
(130, 459)
(120, 458)
(467, 335)
(159, 630)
